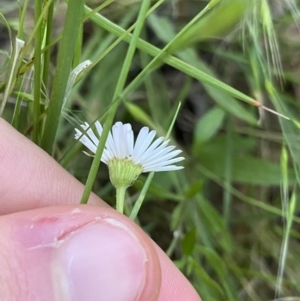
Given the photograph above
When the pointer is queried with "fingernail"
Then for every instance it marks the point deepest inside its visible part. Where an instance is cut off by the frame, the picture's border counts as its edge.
(100, 261)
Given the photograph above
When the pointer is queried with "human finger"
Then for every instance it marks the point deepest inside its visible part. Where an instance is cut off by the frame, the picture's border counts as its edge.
(76, 253)
(30, 178)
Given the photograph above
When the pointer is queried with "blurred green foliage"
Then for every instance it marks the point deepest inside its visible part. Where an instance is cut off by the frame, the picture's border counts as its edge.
(223, 218)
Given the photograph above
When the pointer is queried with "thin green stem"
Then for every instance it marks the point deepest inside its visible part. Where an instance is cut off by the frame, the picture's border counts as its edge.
(97, 9)
(132, 48)
(288, 209)
(14, 77)
(228, 171)
(120, 198)
(37, 71)
(22, 19)
(78, 48)
(140, 200)
(41, 18)
(47, 53)
(173, 121)
(290, 213)
(17, 109)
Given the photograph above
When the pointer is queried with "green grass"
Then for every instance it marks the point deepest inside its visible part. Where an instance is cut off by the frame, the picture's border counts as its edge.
(229, 220)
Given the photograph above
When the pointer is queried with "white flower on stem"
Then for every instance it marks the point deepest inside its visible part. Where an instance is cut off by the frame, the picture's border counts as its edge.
(127, 159)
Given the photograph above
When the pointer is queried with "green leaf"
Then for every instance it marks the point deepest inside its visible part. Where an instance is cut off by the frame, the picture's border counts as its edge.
(139, 114)
(216, 23)
(245, 169)
(162, 26)
(214, 225)
(209, 125)
(214, 260)
(206, 284)
(188, 242)
(193, 189)
(218, 265)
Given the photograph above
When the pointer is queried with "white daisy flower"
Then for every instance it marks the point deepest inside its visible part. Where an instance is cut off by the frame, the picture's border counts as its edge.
(127, 159)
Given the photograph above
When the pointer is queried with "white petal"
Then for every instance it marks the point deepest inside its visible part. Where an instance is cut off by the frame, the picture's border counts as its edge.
(162, 163)
(106, 156)
(157, 142)
(140, 139)
(85, 126)
(110, 145)
(153, 147)
(120, 141)
(129, 142)
(159, 152)
(85, 141)
(92, 136)
(158, 148)
(138, 152)
(127, 145)
(165, 168)
(116, 139)
(120, 137)
(99, 128)
(77, 134)
(117, 144)
(162, 154)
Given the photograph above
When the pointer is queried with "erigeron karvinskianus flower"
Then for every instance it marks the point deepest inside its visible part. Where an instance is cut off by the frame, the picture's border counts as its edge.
(127, 159)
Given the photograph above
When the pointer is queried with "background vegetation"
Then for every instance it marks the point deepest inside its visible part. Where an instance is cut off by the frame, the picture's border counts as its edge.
(230, 219)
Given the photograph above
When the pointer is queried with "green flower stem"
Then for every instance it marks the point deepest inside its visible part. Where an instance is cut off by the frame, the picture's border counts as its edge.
(97, 9)
(37, 70)
(120, 198)
(132, 47)
(288, 210)
(227, 197)
(17, 82)
(78, 48)
(140, 200)
(22, 19)
(39, 22)
(47, 53)
(112, 111)
(289, 213)
(63, 68)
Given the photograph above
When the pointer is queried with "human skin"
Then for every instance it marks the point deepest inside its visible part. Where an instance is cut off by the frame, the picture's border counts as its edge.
(53, 249)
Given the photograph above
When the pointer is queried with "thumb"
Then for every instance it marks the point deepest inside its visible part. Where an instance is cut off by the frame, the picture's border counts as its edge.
(81, 253)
